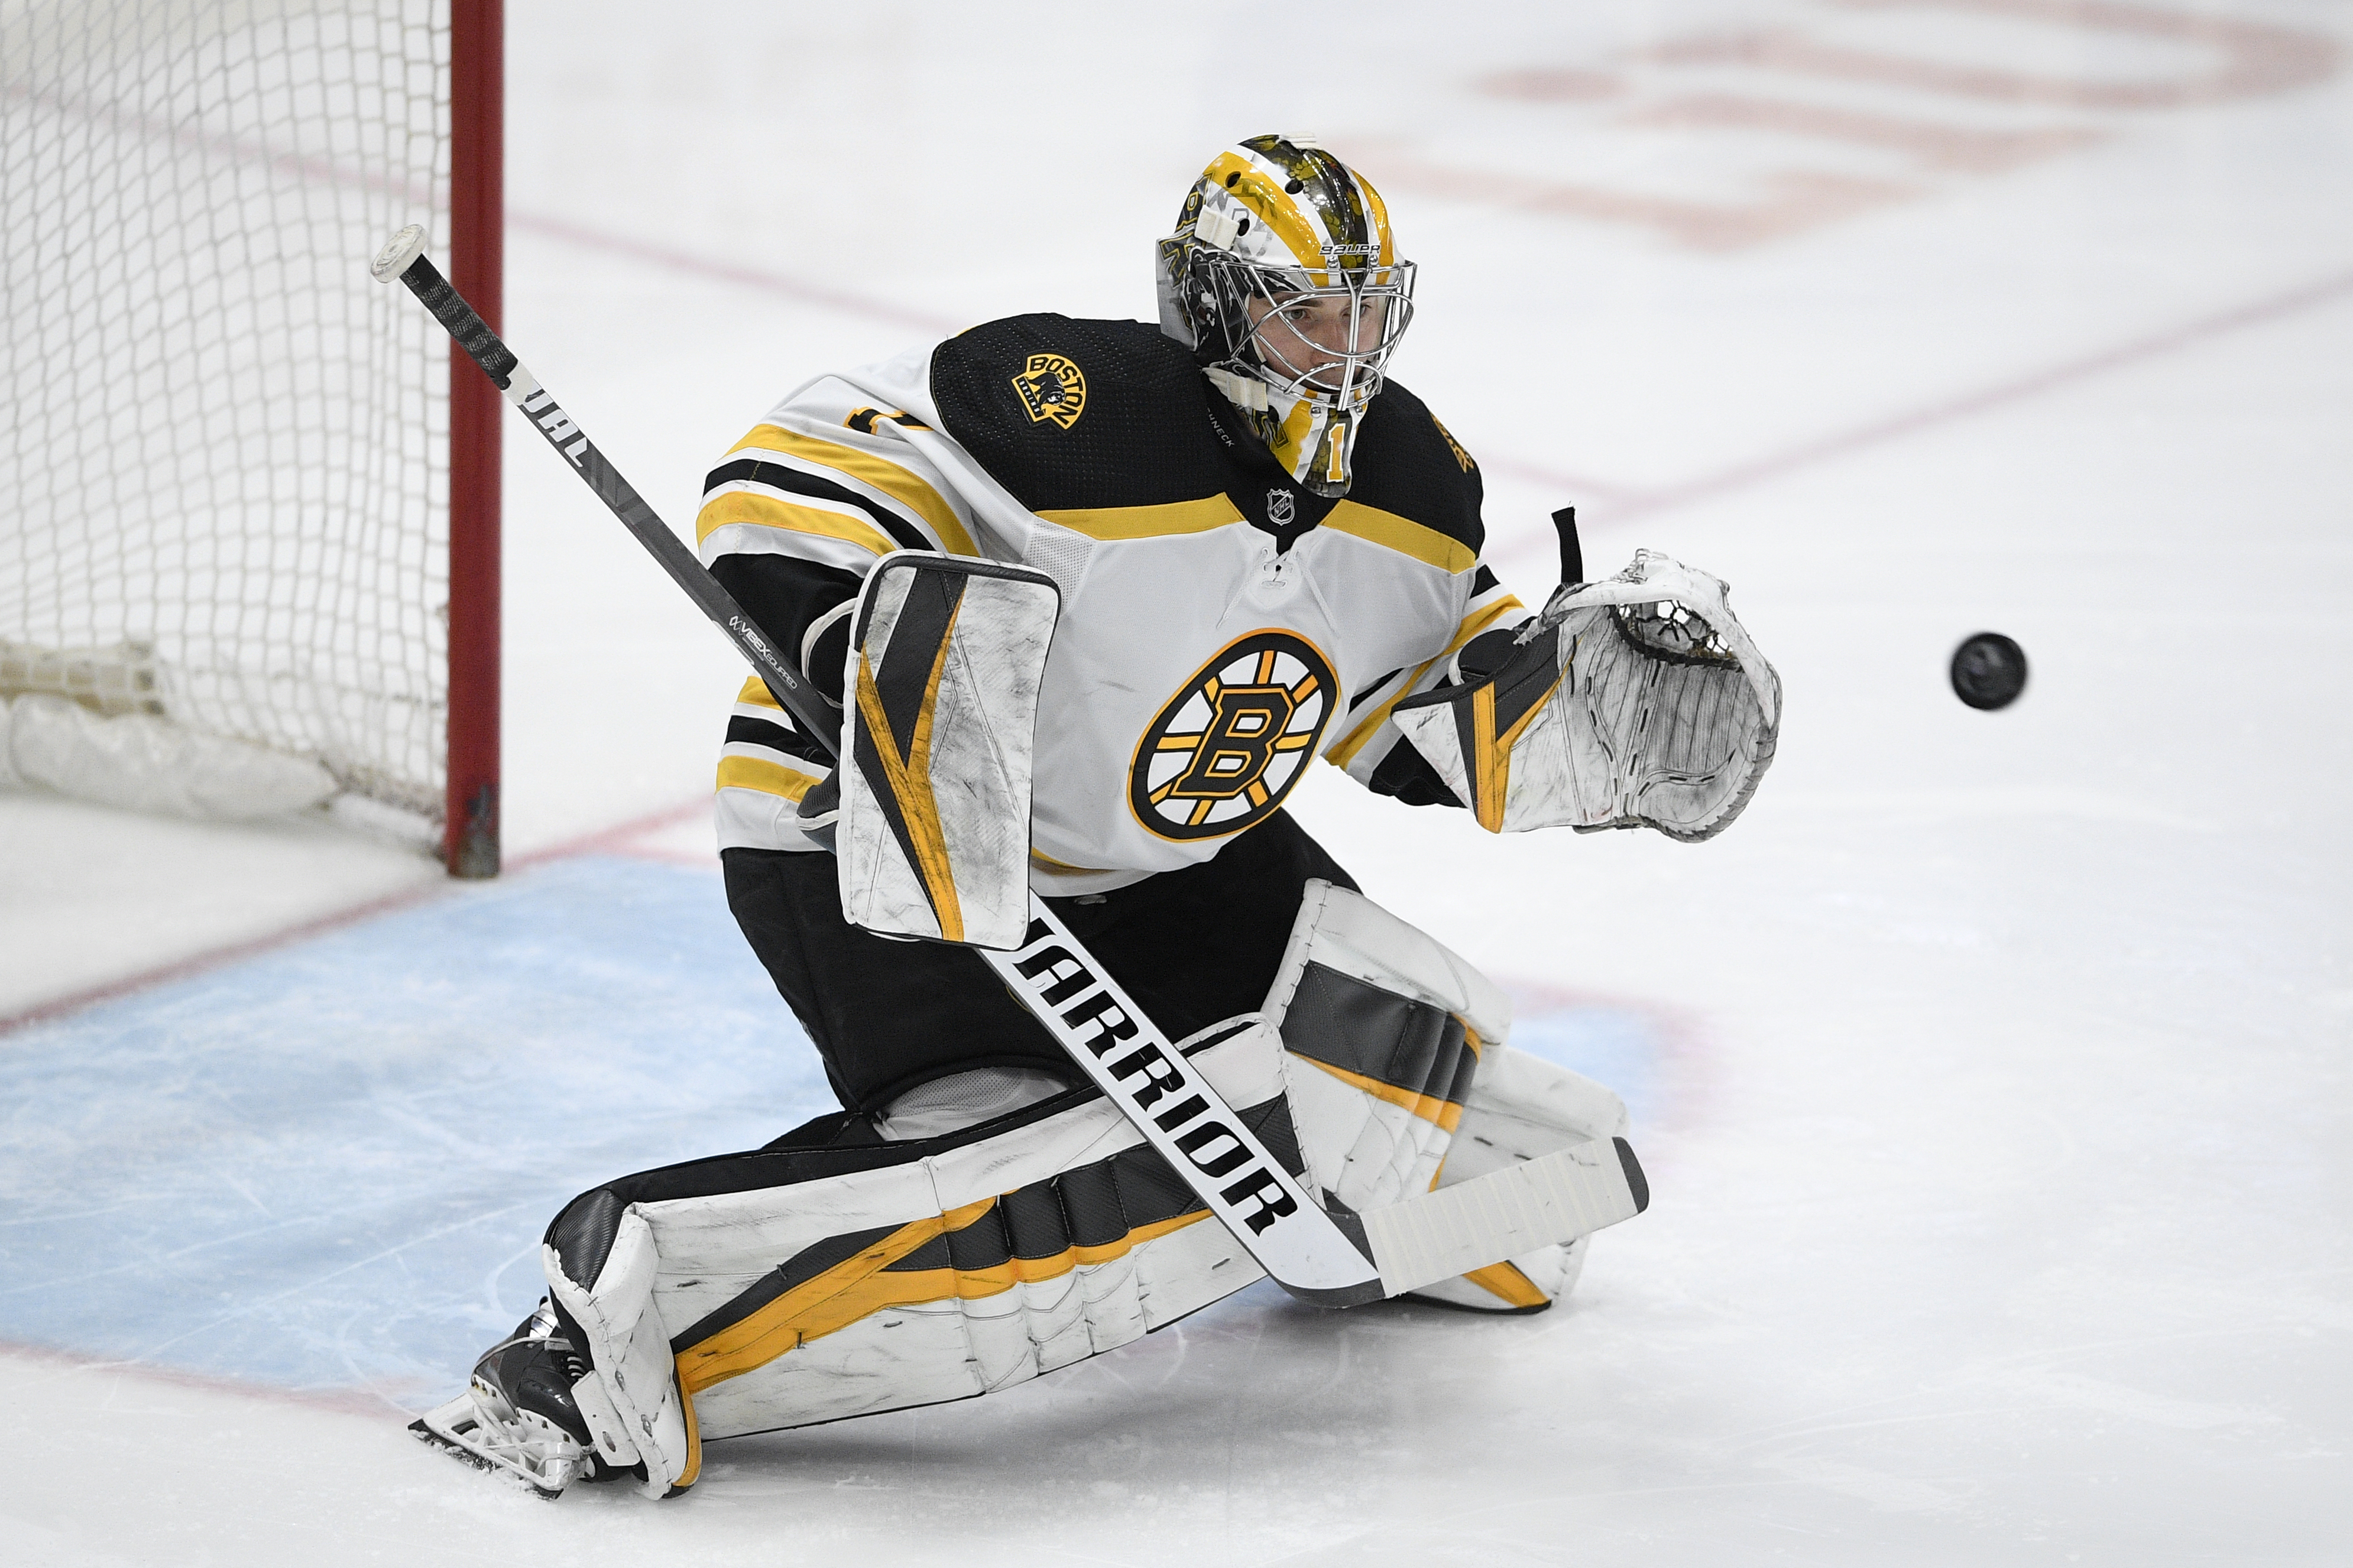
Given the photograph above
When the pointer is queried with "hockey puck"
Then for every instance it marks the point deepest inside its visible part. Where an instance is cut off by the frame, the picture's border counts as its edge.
(1989, 671)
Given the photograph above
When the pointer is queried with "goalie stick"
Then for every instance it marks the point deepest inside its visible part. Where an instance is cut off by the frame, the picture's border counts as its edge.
(1332, 1258)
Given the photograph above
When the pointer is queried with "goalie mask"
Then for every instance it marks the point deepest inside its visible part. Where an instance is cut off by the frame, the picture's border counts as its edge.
(1283, 279)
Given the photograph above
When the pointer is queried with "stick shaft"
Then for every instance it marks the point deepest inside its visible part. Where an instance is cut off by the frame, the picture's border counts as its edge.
(811, 713)
(1317, 1256)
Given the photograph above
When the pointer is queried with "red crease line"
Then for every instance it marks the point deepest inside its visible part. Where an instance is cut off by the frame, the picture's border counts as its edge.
(217, 958)
(604, 839)
(343, 1401)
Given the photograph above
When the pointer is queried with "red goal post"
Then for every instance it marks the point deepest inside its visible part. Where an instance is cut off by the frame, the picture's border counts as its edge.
(249, 508)
(477, 266)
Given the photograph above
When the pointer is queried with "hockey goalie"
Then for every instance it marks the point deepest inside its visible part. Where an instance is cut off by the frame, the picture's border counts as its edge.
(1085, 598)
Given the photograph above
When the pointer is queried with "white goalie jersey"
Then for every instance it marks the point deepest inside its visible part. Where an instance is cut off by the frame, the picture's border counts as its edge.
(1220, 626)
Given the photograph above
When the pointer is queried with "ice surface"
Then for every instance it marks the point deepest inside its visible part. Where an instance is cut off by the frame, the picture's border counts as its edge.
(1991, 1072)
(339, 1206)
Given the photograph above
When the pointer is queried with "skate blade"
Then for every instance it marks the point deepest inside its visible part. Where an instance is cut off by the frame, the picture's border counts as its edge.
(457, 1428)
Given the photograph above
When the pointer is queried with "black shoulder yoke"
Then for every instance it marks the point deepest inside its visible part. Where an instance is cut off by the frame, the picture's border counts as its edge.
(1069, 415)
(1409, 464)
(1077, 415)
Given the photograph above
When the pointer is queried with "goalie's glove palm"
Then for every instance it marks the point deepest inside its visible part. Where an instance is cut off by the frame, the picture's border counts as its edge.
(1635, 702)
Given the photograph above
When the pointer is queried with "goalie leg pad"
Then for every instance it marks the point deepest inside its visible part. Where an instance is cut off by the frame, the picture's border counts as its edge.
(937, 731)
(808, 1282)
(1401, 1081)
(1385, 1028)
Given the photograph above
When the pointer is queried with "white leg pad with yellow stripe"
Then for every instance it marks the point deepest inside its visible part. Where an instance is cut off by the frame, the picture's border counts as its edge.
(1385, 1028)
(844, 1277)
(1401, 1080)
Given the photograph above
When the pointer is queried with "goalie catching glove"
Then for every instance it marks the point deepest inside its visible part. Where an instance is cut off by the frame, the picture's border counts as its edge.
(1635, 702)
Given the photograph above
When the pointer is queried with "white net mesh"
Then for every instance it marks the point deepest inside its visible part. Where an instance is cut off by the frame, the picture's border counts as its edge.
(223, 447)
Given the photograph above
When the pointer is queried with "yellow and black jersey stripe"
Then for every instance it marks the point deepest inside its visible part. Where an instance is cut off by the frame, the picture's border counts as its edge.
(766, 750)
(754, 493)
(833, 485)
(1372, 749)
(765, 768)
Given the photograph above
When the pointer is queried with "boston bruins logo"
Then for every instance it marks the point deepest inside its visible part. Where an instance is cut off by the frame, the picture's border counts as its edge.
(1052, 387)
(1229, 745)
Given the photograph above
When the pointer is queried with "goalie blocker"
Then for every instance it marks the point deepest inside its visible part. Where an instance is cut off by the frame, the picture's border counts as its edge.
(939, 711)
(836, 1274)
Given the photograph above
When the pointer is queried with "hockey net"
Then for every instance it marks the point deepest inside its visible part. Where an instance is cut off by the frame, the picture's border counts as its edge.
(223, 449)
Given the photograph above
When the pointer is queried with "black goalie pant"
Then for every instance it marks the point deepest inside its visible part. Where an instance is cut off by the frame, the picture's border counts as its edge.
(1192, 947)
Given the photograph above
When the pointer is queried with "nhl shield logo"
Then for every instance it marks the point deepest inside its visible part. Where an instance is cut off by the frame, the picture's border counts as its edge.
(1228, 746)
(1281, 507)
(1052, 387)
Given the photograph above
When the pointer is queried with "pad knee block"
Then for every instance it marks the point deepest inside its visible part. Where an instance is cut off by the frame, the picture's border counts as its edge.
(1400, 1080)
(806, 1284)
(1385, 1028)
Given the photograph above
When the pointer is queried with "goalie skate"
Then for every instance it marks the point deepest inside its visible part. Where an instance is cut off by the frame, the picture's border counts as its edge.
(517, 1416)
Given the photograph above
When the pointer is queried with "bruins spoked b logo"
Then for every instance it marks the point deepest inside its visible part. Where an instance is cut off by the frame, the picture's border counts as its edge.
(1228, 746)
(1052, 387)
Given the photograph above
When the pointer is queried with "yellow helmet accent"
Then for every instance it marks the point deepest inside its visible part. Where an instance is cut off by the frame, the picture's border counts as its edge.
(1283, 271)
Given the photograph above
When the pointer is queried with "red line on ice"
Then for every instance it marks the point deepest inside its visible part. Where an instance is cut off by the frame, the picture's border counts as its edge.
(344, 1402)
(729, 272)
(1612, 509)
(606, 840)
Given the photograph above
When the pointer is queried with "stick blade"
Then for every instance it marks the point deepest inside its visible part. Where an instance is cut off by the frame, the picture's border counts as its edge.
(1555, 1198)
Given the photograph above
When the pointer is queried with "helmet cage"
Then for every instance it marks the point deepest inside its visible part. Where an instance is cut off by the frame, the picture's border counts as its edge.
(1322, 336)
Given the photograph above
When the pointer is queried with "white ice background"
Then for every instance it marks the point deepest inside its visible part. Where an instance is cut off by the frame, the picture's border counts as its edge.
(1991, 1071)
